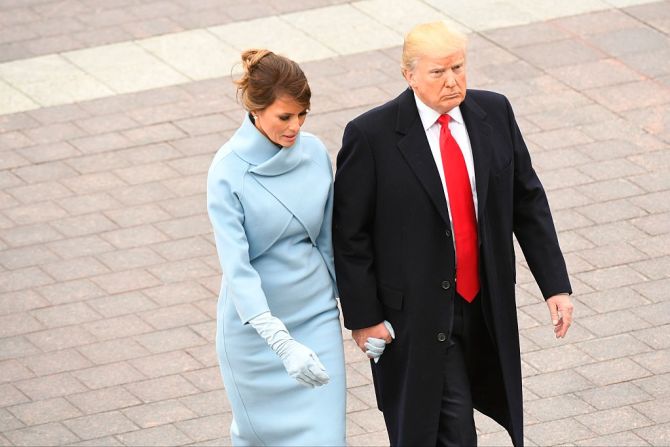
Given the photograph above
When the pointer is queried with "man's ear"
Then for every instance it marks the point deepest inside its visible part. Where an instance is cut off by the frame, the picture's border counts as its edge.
(409, 76)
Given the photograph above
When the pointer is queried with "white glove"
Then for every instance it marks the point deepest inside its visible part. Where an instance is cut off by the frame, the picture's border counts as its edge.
(300, 362)
(375, 346)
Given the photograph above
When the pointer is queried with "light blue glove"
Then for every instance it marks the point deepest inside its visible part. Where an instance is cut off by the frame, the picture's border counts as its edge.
(300, 362)
(375, 346)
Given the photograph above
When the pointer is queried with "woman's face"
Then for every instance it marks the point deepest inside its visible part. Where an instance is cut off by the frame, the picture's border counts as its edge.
(281, 120)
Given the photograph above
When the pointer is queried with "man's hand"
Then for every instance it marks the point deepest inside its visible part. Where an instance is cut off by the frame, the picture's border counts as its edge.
(560, 309)
(361, 336)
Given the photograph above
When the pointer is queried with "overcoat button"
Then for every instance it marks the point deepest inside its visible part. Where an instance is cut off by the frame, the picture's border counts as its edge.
(441, 337)
(447, 232)
(445, 285)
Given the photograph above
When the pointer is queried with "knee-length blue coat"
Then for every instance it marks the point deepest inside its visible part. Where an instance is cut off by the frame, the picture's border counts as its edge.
(271, 212)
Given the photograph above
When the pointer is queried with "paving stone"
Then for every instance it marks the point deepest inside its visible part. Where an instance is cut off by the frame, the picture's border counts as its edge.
(208, 379)
(556, 383)
(88, 203)
(65, 314)
(55, 385)
(596, 73)
(11, 371)
(100, 442)
(557, 407)
(74, 247)
(625, 438)
(615, 395)
(158, 436)
(630, 40)
(617, 346)
(159, 413)
(183, 248)
(169, 387)
(48, 152)
(614, 420)
(70, 291)
(632, 95)
(113, 350)
(11, 396)
(180, 271)
(75, 269)
(135, 236)
(653, 203)
(207, 403)
(84, 225)
(59, 338)
(657, 362)
(103, 400)
(657, 386)
(125, 281)
(657, 410)
(123, 326)
(169, 363)
(47, 434)
(612, 371)
(611, 323)
(98, 425)
(97, 144)
(656, 435)
(8, 422)
(11, 347)
(37, 192)
(611, 278)
(55, 362)
(108, 375)
(611, 211)
(556, 432)
(16, 324)
(23, 279)
(656, 337)
(41, 412)
(122, 304)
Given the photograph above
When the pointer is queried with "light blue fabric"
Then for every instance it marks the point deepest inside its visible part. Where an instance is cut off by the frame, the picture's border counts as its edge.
(271, 212)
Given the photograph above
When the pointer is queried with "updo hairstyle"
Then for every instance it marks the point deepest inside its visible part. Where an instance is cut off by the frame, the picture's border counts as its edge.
(268, 76)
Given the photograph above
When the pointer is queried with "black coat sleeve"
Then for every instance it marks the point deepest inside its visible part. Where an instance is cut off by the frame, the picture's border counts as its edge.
(533, 224)
(353, 225)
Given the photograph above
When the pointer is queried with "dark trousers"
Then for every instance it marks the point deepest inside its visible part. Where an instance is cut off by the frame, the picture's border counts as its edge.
(457, 425)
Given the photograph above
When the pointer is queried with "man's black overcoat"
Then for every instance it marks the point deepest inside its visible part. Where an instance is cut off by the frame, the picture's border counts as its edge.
(394, 257)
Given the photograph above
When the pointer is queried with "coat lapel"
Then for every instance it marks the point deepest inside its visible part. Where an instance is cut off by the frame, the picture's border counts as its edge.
(479, 131)
(291, 192)
(415, 149)
(269, 163)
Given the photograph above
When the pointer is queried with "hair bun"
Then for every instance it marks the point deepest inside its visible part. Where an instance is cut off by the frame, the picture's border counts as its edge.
(251, 58)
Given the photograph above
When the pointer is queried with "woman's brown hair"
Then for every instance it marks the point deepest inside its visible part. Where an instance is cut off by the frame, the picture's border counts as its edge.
(268, 76)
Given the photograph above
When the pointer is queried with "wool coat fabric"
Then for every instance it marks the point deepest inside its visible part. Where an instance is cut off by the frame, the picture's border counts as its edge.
(395, 260)
(271, 212)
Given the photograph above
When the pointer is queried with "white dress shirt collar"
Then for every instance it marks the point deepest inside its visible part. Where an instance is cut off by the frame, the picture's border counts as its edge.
(429, 116)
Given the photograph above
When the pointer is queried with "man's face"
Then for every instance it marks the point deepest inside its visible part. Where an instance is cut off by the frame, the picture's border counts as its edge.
(439, 81)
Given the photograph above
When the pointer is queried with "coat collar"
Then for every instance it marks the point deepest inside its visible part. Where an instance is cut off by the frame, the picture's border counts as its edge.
(256, 149)
(479, 131)
(416, 150)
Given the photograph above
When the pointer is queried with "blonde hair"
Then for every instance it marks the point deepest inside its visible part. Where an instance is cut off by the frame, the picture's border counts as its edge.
(267, 76)
(430, 39)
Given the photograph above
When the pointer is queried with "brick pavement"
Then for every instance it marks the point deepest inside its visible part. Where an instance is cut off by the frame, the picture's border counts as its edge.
(109, 277)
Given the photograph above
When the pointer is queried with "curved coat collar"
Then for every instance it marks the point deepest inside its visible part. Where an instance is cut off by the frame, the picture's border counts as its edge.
(256, 149)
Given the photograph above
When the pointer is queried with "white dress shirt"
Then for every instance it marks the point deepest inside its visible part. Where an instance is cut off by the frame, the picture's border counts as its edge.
(460, 133)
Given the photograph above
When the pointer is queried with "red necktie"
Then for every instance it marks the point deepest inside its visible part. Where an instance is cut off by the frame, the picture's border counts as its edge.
(462, 213)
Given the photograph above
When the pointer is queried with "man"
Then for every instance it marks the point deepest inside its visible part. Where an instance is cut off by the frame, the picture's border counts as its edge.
(429, 189)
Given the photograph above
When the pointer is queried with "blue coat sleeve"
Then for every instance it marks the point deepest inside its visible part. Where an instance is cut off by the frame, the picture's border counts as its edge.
(324, 241)
(227, 216)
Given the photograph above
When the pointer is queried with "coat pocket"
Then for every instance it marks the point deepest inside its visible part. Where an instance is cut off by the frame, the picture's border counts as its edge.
(390, 297)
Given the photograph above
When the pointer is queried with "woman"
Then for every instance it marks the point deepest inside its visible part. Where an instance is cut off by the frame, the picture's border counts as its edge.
(269, 197)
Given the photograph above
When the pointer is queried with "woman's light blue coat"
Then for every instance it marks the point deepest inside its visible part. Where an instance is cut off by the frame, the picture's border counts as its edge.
(271, 212)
